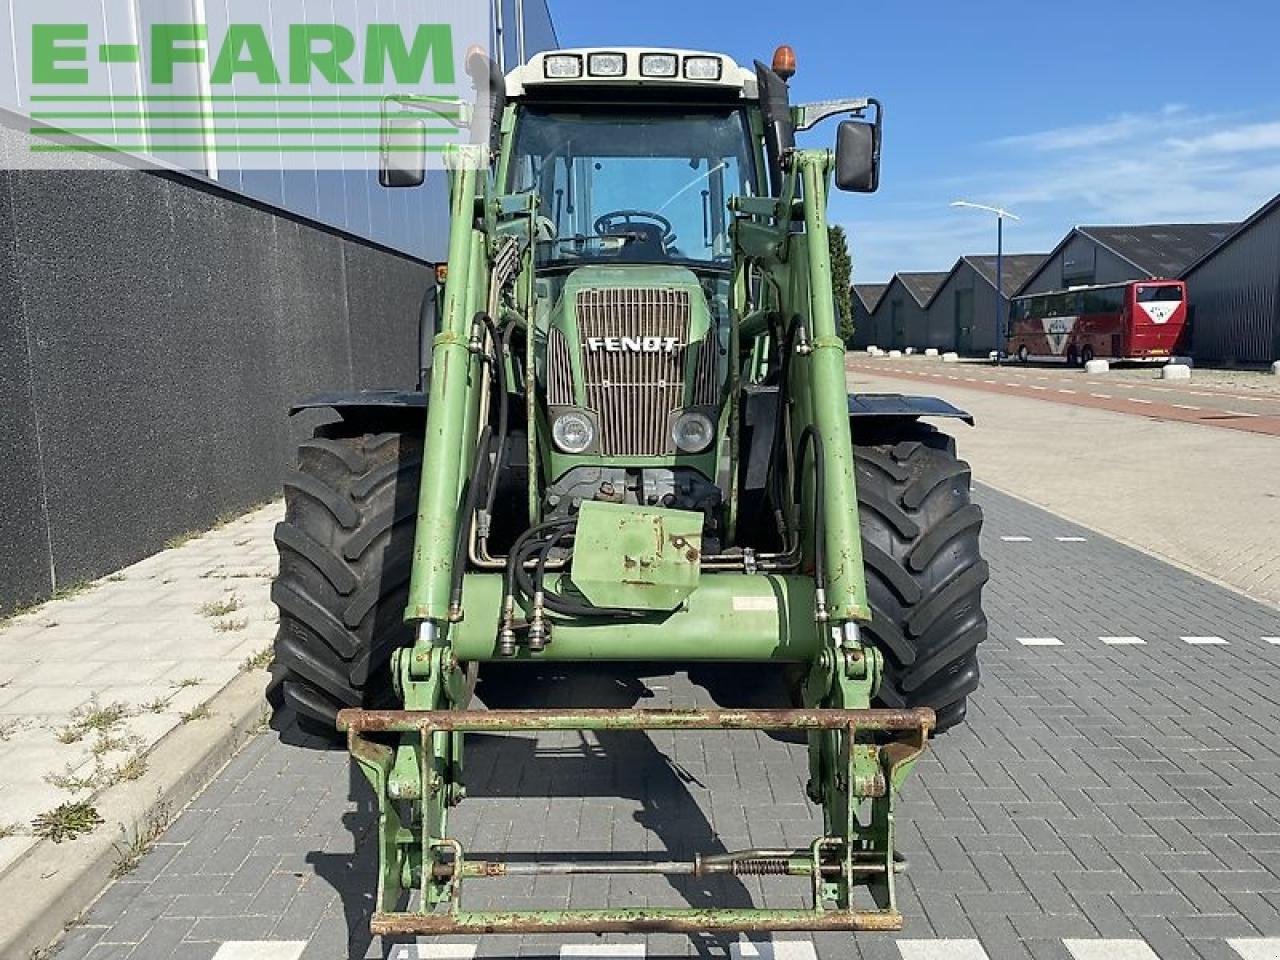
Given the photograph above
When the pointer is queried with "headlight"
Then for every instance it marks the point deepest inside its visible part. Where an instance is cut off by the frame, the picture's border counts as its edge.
(659, 65)
(703, 68)
(693, 433)
(573, 433)
(563, 66)
(607, 64)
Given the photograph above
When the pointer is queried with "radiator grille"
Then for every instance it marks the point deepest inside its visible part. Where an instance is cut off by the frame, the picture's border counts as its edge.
(706, 384)
(559, 370)
(634, 393)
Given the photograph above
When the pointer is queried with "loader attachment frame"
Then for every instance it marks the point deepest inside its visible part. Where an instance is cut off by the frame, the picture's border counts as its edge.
(875, 751)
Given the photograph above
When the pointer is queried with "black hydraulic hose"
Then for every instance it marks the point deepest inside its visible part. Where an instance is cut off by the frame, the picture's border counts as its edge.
(811, 437)
(778, 482)
(470, 502)
(515, 560)
(504, 414)
(531, 584)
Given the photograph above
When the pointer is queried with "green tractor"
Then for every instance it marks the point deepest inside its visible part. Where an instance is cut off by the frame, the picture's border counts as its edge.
(635, 443)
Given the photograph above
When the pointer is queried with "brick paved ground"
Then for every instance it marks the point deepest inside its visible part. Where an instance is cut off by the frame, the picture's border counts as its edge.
(1107, 800)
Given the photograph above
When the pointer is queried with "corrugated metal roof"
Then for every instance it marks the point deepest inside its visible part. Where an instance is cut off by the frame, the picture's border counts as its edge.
(922, 286)
(1163, 249)
(870, 294)
(1262, 213)
(1017, 269)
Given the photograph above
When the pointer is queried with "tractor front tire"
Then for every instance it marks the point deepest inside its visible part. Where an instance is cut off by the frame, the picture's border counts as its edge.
(346, 549)
(925, 572)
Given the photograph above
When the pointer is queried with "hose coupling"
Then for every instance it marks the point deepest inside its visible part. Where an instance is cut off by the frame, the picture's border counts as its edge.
(539, 629)
(822, 613)
(507, 643)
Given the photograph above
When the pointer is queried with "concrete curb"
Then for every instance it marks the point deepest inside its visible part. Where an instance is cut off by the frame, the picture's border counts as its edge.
(46, 889)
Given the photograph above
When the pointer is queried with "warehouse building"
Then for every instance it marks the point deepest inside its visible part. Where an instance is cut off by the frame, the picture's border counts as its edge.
(962, 314)
(900, 318)
(865, 298)
(1234, 291)
(1097, 255)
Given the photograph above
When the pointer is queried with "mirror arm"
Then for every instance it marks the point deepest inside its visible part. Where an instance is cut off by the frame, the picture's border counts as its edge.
(809, 115)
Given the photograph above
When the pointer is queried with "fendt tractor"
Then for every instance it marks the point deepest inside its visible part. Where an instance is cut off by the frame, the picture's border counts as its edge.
(634, 442)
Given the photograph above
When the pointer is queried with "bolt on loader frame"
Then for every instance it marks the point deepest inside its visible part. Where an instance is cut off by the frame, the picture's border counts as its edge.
(628, 571)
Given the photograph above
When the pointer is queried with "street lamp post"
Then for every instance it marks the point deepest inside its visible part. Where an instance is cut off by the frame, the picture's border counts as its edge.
(1002, 310)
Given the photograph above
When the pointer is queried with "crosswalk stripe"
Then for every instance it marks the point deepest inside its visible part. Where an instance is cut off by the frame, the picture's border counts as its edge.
(941, 950)
(1110, 950)
(435, 951)
(1072, 539)
(1274, 641)
(260, 950)
(1040, 641)
(1205, 641)
(1016, 539)
(1123, 641)
(602, 951)
(778, 950)
(1256, 948)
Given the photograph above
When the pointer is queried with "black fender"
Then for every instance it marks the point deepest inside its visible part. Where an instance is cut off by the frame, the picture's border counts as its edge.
(366, 402)
(872, 407)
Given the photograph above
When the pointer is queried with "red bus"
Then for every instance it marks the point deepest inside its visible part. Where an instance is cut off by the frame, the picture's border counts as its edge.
(1136, 321)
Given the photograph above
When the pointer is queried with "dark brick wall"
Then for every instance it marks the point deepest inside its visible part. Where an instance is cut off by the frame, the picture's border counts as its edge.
(153, 334)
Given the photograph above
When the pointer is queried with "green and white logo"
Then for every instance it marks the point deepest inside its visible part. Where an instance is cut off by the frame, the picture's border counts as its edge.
(213, 85)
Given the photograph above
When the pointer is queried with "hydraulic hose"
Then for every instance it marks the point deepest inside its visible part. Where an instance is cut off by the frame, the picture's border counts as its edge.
(498, 336)
(811, 437)
(469, 503)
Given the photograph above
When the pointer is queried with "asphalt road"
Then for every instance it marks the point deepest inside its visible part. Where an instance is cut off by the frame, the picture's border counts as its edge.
(1135, 392)
(1114, 796)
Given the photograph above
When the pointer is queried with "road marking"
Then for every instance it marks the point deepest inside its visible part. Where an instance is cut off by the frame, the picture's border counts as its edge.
(1016, 539)
(1256, 948)
(1274, 641)
(1040, 641)
(604, 951)
(1136, 400)
(778, 950)
(1237, 413)
(1205, 641)
(1123, 641)
(1072, 392)
(266, 950)
(1072, 539)
(941, 950)
(1109, 950)
(990, 381)
(1185, 406)
(1101, 396)
(1034, 387)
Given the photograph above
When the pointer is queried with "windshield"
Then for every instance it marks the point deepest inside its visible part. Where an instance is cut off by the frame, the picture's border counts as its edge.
(633, 186)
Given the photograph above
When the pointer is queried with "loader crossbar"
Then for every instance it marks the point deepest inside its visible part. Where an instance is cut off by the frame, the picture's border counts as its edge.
(856, 850)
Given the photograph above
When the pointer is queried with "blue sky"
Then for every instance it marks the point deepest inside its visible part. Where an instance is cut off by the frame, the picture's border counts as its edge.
(1087, 112)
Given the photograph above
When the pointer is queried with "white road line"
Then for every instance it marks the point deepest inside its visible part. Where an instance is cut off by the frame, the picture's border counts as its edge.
(1101, 396)
(941, 950)
(1136, 400)
(1205, 641)
(990, 381)
(1040, 641)
(1072, 392)
(778, 950)
(1256, 948)
(435, 951)
(1016, 539)
(603, 951)
(1238, 413)
(1123, 641)
(1274, 641)
(1072, 539)
(1163, 389)
(1034, 387)
(265, 950)
(1185, 406)
(1110, 950)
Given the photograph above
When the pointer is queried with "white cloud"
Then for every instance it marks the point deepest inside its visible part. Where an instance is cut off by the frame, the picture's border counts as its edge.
(1168, 165)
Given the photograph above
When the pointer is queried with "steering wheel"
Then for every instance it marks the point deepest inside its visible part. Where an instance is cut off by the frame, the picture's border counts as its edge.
(608, 224)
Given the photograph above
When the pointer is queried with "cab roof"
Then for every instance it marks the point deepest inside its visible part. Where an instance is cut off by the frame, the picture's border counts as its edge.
(535, 76)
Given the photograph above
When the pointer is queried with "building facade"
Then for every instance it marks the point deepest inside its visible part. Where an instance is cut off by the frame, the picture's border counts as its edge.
(1235, 294)
(900, 319)
(962, 314)
(864, 300)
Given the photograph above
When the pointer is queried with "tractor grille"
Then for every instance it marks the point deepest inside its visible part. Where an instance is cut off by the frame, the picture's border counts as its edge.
(634, 393)
(559, 370)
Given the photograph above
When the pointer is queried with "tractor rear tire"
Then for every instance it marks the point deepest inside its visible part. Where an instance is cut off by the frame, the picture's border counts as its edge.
(346, 549)
(925, 572)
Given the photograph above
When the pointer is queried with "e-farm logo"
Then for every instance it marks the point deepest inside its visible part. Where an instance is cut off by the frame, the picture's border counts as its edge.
(254, 84)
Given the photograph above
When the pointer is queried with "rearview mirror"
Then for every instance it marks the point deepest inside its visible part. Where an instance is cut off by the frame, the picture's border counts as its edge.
(404, 152)
(858, 157)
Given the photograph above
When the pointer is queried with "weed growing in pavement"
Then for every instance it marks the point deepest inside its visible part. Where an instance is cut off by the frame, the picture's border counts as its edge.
(135, 848)
(93, 718)
(158, 705)
(186, 682)
(8, 830)
(260, 661)
(73, 782)
(182, 539)
(132, 769)
(117, 578)
(63, 593)
(222, 608)
(199, 713)
(66, 822)
(230, 626)
(9, 727)
(106, 743)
